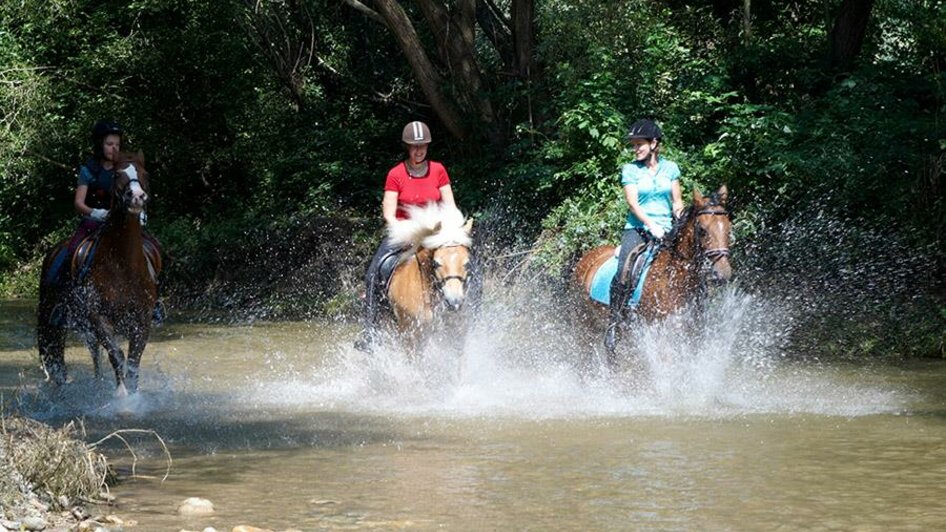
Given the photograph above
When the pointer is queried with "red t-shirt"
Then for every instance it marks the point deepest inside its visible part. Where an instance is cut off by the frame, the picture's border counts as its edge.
(416, 190)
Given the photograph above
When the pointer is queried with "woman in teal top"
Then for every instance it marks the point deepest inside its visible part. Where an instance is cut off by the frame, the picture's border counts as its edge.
(652, 190)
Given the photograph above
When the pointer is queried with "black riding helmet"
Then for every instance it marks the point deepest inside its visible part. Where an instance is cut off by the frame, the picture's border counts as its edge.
(100, 130)
(644, 129)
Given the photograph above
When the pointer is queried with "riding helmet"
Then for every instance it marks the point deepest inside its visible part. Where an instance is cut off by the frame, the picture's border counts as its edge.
(416, 133)
(644, 129)
(103, 128)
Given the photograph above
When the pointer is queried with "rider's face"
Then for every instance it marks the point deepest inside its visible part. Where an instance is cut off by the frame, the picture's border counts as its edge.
(643, 148)
(416, 153)
(111, 145)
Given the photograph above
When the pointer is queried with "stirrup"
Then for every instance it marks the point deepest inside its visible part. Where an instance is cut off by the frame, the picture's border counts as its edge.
(365, 341)
(611, 336)
(159, 314)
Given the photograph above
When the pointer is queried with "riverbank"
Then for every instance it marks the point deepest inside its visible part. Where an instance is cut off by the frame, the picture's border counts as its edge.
(52, 480)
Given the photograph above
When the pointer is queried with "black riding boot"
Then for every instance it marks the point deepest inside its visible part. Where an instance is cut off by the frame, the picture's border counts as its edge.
(619, 295)
(369, 321)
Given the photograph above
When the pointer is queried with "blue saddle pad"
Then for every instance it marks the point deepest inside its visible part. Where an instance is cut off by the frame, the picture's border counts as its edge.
(601, 282)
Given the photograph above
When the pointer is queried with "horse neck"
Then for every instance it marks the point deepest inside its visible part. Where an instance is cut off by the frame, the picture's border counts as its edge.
(123, 231)
(685, 243)
(424, 257)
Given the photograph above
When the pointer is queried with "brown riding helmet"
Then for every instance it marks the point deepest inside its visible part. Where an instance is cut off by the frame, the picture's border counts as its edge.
(416, 133)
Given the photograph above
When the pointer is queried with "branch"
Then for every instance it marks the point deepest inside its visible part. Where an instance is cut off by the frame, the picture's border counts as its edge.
(367, 11)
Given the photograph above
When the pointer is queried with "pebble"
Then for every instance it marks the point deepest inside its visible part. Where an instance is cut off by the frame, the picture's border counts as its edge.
(80, 513)
(113, 520)
(195, 506)
(209, 529)
(247, 528)
(63, 501)
(33, 523)
(106, 496)
(10, 525)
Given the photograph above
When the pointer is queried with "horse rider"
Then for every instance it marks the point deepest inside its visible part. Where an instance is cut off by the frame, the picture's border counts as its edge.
(653, 194)
(93, 197)
(414, 181)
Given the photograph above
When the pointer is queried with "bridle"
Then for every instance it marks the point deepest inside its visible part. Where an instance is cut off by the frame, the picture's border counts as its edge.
(713, 254)
(440, 281)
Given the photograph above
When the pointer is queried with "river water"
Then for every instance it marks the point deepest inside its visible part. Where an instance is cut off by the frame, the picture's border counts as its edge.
(495, 427)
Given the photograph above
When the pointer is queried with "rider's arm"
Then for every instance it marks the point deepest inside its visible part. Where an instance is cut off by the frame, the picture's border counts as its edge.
(79, 202)
(389, 206)
(676, 197)
(630, 194)
(446, 197)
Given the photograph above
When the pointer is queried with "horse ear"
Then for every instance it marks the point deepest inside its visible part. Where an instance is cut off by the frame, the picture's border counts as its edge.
(469, 226)
(697, 197)
(140, 157)
(723, 195)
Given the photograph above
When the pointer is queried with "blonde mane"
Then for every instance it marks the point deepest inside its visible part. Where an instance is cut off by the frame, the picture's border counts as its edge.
(432, 226)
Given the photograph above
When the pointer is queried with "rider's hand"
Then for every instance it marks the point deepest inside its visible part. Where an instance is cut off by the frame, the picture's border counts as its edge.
(98, 215)
(658, 232)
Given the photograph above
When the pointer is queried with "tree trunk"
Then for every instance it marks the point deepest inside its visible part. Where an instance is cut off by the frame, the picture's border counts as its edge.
(847, 35)
(456, 41)
(523, 15)
(424, 72)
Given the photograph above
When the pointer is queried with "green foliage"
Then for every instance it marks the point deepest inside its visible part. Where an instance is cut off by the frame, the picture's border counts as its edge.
(251, 148)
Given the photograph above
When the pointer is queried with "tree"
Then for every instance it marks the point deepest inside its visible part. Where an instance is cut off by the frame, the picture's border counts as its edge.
(847, 34)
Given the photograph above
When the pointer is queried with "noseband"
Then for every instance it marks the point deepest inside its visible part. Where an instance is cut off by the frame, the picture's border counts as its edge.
(439, 282)
(713, 254)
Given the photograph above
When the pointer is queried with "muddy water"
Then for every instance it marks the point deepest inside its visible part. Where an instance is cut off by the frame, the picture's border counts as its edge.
(283, 425)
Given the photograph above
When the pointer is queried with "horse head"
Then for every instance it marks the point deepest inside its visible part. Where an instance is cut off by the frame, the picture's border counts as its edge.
(130, 190)
(712, 224)
(443, 235)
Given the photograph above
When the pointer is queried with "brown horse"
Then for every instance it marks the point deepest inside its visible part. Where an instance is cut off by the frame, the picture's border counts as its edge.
(676, 275)
(112, 292)
(432, 273)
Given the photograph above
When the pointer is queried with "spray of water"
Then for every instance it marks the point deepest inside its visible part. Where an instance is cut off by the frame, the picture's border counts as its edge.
(526, 356)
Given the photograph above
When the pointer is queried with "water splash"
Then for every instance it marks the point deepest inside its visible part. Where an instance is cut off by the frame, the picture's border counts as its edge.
(531, 360)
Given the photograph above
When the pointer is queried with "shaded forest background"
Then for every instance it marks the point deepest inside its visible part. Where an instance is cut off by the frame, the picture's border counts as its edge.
(269, 125)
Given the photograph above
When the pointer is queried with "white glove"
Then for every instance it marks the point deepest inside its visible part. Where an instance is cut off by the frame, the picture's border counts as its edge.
(658, 232)
(143, 218)
(98, 215)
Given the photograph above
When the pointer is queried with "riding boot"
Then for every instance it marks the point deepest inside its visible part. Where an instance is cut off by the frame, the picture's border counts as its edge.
(366, 338)
(619, 295)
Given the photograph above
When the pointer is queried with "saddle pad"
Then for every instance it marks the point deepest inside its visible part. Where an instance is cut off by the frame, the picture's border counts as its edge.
(601, 282)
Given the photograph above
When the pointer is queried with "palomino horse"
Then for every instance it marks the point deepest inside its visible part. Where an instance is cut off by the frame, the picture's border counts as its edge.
(676, 275)
(432, 273)
(113, 288)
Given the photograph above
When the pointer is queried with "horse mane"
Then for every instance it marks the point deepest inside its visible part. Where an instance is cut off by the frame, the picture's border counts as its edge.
(430, 227)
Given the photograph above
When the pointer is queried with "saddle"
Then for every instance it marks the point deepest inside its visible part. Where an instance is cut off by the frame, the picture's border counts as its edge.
(85, 252)
(639, 259)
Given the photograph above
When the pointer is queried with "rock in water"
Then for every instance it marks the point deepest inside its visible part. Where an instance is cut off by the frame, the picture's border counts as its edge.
(195, 506)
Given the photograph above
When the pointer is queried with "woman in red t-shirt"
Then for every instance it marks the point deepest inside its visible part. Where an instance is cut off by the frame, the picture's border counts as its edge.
(414, 181)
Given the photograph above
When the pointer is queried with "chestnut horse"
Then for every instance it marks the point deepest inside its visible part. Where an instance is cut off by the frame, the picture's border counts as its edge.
(116, 290)
(432, 273)
(676, 275)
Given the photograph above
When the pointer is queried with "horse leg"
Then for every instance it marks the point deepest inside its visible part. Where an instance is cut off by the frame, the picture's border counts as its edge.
(51, 338)
(96, 351)
(136, 346)
(106, 337)
(52, 344)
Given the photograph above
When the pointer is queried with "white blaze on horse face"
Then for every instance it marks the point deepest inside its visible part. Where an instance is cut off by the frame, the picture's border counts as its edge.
(137, 193)
(452, 273)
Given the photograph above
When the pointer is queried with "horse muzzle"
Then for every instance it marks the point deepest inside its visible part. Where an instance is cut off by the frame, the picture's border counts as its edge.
(453, 289)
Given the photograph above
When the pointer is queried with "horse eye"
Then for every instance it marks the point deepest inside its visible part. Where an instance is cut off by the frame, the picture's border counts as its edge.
(437, 263)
